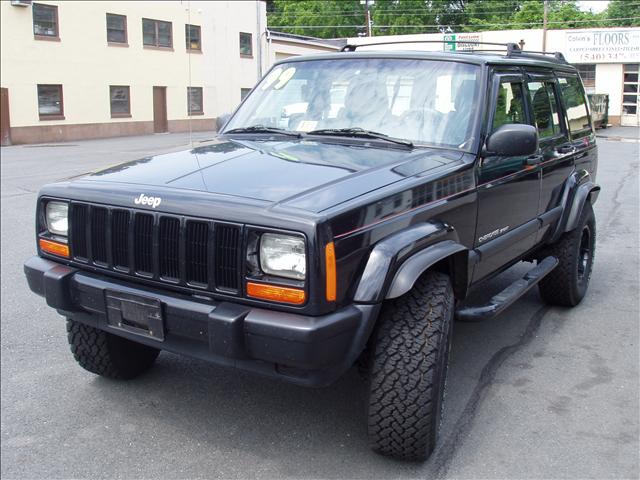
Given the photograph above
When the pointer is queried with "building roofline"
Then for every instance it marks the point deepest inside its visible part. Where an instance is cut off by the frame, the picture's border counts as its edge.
(336, 44)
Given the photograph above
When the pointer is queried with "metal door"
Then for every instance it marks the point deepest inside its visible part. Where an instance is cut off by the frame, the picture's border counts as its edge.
(508, 187)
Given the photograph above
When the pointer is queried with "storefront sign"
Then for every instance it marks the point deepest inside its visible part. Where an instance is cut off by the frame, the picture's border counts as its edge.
(603, 46)
(457, 41)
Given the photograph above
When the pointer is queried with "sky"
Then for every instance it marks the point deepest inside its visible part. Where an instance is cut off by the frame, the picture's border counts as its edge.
(595, 5)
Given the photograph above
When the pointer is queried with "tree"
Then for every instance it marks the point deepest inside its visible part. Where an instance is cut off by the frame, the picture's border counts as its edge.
(346, 18)
(622, 9)
(323, 19)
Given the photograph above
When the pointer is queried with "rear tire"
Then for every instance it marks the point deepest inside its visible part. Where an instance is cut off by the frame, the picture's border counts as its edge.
(409, 368)
(567, 284)
(106, 354)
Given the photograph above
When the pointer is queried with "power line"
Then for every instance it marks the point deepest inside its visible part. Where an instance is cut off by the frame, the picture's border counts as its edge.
(392, 13)
(403, 11)
(460, 25)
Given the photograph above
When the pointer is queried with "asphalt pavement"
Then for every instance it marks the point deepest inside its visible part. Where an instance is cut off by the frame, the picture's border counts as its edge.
(539, 392)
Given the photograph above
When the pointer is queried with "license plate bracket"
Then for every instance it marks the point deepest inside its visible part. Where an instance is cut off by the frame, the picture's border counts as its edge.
(135, 313)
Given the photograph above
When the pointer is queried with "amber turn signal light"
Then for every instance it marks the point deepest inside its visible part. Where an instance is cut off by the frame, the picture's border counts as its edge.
(330, 265)
(275, 293)
(55, 248)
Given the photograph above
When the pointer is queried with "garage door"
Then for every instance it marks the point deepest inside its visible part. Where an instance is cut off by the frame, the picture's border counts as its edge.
(631, 96)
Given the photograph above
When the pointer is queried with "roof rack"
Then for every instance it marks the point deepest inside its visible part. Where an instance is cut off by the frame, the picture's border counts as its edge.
(512, 48)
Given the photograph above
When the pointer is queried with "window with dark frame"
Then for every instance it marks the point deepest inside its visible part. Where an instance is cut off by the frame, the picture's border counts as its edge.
(509, 105)
(244, 92)
(192, 37)
(156, 33)
(50, 103)
(576, 106)
(116, 28)
(545, 109)
(194, 101)
(246, 44)
(45, 21)
(120, 101)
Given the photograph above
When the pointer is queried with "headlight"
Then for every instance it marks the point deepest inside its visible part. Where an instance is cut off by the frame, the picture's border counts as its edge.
(283, 256)
(57, 218)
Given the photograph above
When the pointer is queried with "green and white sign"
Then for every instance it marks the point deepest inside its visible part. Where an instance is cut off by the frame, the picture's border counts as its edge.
(458, 41)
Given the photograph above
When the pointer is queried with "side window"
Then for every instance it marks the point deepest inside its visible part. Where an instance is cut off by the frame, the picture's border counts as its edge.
(509, 105)
(576, 105)
(545, 108)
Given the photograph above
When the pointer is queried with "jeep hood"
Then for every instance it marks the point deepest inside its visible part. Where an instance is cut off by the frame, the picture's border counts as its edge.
(300, 173)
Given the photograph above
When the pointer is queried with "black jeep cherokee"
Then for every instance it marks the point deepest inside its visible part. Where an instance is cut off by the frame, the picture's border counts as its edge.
(342, 214)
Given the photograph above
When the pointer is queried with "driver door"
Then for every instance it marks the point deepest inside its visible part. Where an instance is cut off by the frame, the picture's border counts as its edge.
(508, 187)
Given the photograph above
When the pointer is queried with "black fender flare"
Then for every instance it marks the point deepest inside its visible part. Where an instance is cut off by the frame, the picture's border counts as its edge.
(578, 190)
(412, 268)
(396, 262)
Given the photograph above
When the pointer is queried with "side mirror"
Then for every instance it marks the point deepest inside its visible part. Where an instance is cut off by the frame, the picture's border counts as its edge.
(512, 140)
(222, 120)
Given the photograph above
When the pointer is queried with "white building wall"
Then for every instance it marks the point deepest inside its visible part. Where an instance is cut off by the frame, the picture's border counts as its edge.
(86, 65)
(609, 80)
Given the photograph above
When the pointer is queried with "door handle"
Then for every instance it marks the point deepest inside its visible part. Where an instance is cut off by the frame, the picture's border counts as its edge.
(534, 159)
(566, 149)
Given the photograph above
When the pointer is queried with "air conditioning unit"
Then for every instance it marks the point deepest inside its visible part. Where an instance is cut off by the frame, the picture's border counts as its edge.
(20, 3)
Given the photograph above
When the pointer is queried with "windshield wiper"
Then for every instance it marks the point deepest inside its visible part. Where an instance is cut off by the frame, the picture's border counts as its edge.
(264, 129)
(360, 132)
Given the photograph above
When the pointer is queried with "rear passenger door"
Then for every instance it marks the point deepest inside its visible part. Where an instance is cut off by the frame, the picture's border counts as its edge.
(578, 119)
(556, 154)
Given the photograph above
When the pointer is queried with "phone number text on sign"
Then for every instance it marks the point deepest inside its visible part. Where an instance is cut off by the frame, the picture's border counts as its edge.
(603, 46)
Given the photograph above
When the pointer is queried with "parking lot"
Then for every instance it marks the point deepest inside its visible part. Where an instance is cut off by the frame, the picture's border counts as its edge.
(539, 392)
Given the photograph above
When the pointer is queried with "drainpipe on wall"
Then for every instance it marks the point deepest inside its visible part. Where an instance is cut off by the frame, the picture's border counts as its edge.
(259, 36)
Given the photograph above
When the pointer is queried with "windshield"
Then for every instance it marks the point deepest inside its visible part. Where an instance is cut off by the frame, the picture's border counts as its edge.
(424, 101)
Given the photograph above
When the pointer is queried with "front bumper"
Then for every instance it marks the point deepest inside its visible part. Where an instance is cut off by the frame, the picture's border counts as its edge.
(312, 351)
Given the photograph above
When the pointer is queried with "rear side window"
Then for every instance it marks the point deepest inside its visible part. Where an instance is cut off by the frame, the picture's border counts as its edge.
(545, 108)
(576, 104)
(509, 105)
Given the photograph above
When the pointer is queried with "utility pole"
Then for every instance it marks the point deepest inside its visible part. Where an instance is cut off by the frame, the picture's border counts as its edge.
(368, 17)
(544, 25)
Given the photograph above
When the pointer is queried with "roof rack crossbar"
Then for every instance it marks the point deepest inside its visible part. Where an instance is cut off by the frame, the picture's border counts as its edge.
(511, 47)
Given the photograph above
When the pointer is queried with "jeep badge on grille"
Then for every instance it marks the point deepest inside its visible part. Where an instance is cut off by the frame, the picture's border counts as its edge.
(144, 200)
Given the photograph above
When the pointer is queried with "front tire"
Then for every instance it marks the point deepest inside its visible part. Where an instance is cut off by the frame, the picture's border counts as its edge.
(567, 284)
(108, 355)
(409, 368)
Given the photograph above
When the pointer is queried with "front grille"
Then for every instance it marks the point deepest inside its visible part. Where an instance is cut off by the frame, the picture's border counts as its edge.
(173, 249)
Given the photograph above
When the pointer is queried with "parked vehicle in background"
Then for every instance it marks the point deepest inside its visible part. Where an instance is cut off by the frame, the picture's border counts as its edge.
(320, 229)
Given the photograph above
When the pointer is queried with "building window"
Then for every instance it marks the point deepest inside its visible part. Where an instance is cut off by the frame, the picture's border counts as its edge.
(244, 92)
(116, 28)
(120, 101)
(156, 33)
(50, 105)
(246, 45)
(45, 21)
(588, 75)
(194, 100)
(192, 36)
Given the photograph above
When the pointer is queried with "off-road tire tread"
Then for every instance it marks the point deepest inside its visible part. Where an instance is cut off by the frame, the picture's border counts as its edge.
(106, 354)
(407, 366)
(557, 288)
